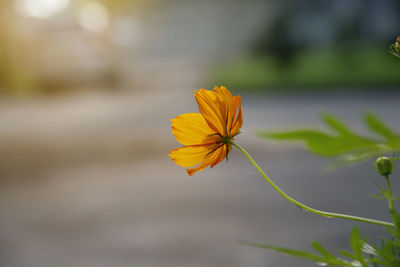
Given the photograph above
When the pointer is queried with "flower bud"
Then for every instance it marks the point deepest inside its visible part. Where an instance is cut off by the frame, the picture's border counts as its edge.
(384, 166)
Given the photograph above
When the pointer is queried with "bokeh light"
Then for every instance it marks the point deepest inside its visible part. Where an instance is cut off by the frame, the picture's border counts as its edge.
(93, 16)
(40, 8)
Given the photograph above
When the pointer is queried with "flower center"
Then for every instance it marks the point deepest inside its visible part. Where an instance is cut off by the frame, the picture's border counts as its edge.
(227, 139)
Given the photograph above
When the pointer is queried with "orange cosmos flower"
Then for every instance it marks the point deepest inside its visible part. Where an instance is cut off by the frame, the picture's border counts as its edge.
(207, 135)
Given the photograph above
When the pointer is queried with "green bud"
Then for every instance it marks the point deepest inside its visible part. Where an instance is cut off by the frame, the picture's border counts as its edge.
(384, 166)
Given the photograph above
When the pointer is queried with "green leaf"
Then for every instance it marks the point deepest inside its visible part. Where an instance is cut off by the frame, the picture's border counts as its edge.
(326, 259)
(387, 254)
(319, 248)
(347, 254)
(379, 127)
(355, 242)
(292, 252)
(329, 258)
(325, 144)
(317, 142)
(357, 245)
(336, 124)
(348, 146)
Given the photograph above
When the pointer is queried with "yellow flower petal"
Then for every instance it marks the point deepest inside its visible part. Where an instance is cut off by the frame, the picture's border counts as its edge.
(239, 119)
(231, 106)
(220, 156)
(212, 108)
(191, 129)
(189, 156)
(214, 157)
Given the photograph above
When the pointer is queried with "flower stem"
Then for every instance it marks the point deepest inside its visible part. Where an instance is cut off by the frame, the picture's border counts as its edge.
(305, 207)
(390, 196)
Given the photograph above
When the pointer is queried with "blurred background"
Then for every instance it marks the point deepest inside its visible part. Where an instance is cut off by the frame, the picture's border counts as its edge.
(87, 89)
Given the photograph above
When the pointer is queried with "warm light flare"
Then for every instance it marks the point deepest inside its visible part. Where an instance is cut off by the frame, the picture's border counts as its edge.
(40, 8)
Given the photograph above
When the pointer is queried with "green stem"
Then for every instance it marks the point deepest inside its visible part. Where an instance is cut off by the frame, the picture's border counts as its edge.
(305, 207)
(390, 197)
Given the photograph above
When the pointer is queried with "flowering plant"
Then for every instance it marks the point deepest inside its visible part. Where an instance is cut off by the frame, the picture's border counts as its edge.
(207, 138)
